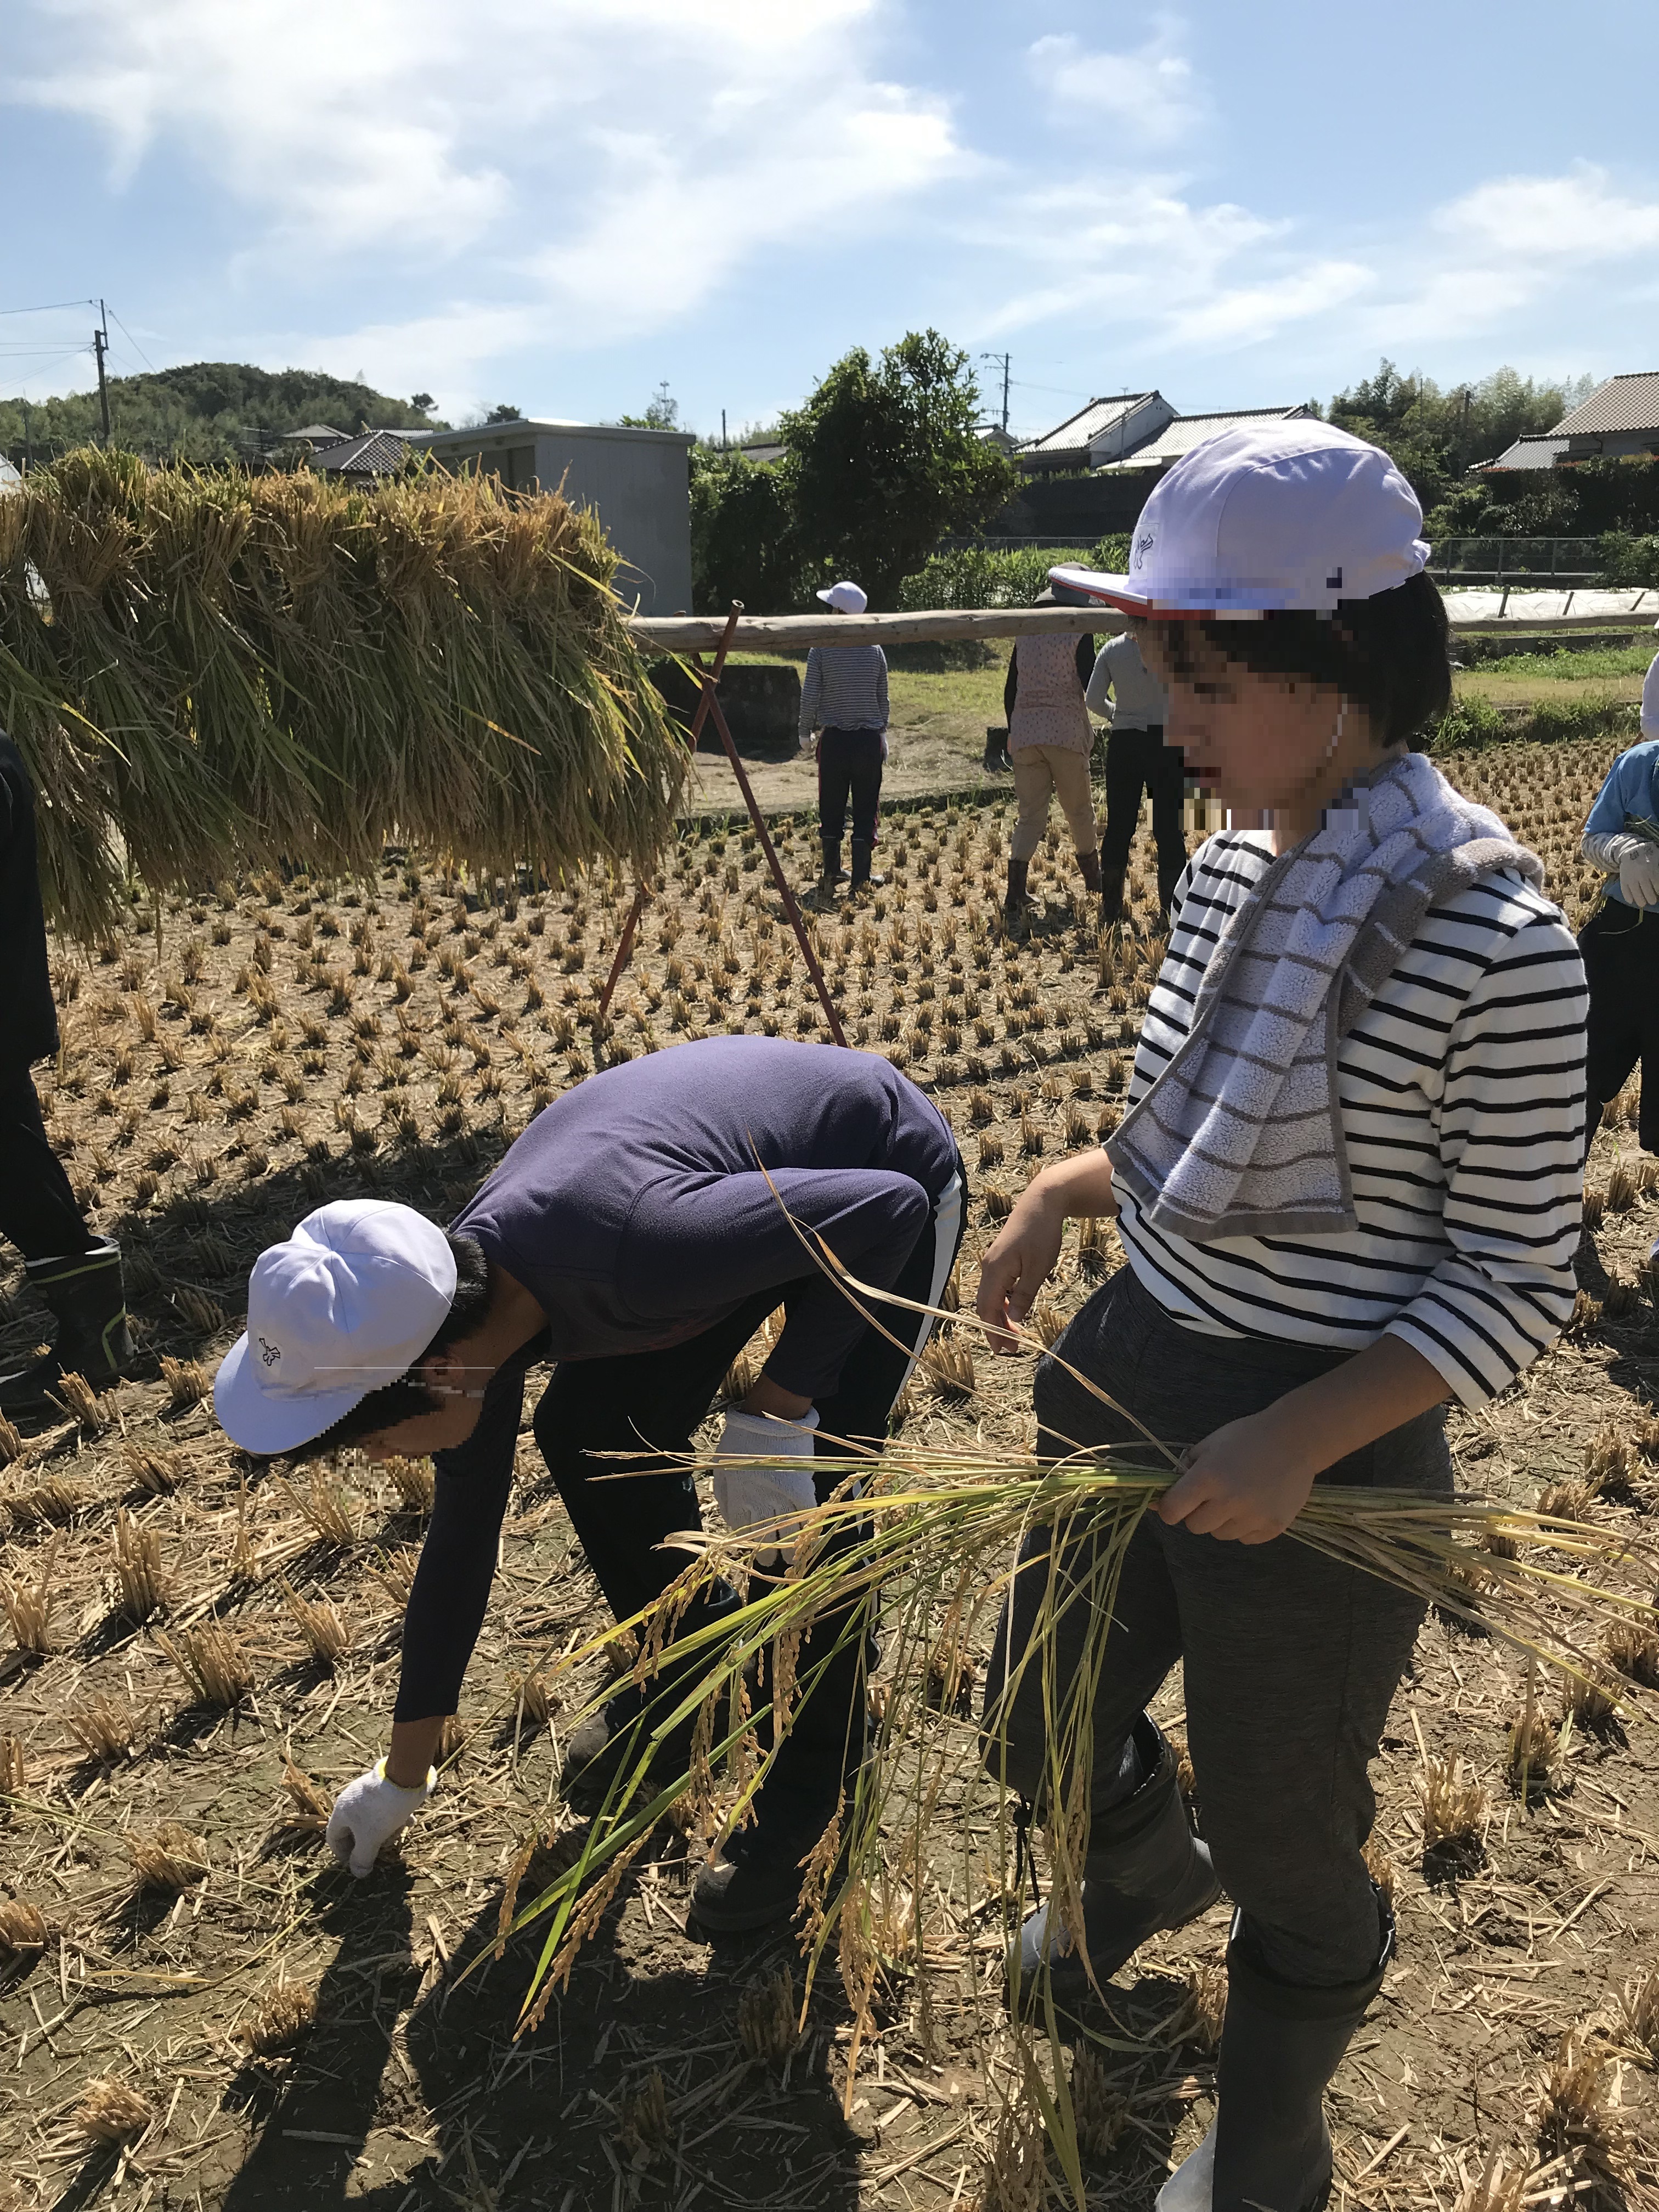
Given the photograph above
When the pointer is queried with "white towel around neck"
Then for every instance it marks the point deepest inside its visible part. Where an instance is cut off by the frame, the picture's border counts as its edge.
(1240, 1135)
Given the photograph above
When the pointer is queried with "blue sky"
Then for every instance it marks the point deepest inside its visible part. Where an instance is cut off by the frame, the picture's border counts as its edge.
(560, 203)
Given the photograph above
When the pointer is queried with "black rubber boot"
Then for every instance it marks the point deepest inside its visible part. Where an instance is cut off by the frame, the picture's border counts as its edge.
(83, 1291)
(862, 854)
(1270, 2148)
(1016, 904)
(996, 761)
(1144, 1870)
(1111, 898)
(1090, 864)
(1169, 875)
(611, 1742)
(755, 1881)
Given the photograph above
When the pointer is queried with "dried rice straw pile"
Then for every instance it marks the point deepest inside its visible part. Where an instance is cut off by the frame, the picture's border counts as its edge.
(211, 671)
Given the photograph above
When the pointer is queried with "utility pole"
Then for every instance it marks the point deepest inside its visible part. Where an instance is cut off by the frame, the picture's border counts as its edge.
(722, 429)
(100, 347)
(1003, 360)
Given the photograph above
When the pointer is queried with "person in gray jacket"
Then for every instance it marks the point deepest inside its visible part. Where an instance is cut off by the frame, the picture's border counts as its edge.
(843, 698)
(1122, 692)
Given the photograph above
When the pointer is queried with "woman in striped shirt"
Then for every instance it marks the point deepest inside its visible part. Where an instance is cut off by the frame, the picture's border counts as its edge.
(1348, 1186)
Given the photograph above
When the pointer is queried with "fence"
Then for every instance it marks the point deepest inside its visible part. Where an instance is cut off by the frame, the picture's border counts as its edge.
(1507, 560)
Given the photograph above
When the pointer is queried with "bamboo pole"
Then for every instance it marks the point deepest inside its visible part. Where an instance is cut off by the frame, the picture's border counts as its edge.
(1510, 611)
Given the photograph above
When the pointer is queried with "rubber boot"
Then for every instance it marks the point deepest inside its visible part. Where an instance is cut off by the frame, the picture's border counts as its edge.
(862, 853)
(1090, 864)
(1016, 904)
(83, 1291)
(996, 761)
(1169, 875)
(1111, 898)
(824, 890)
(1269, 2149)
(1144, 1870)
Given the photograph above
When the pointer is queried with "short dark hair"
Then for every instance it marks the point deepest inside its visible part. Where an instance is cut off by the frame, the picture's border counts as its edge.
(1390, 654)
(404, 1399)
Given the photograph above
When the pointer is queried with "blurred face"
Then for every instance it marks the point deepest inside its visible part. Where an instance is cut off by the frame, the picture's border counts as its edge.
(1256, 741)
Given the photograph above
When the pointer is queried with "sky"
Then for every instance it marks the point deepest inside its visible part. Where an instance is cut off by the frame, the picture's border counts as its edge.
(562, 204)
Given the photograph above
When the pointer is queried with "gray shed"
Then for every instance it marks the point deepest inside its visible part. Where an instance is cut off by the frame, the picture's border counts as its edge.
(636, 480)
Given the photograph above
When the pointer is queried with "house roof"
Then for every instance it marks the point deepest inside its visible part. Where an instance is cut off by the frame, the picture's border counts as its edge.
(1623, 402)
(376, 453)
(316, 434)
(1078, 432)
(1186, 431)
(1531, 453)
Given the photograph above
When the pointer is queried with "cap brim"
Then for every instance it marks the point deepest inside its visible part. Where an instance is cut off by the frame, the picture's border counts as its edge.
(262, 1423)
(1147, 605)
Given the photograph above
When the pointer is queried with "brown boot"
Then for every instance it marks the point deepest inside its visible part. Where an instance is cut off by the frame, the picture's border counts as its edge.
(1016, 904)
(1090, 864)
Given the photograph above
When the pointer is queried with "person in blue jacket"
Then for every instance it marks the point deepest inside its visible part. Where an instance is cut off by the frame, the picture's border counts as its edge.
(635, 1235)
(1620, 941)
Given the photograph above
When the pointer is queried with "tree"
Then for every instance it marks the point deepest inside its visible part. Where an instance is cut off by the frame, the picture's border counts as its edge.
(744, 543)
(662, 412)
(882, 461)
(422, 402)
(1435, 437)
(503, 414)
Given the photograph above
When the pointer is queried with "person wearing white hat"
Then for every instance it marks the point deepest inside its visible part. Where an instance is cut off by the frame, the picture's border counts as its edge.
(843, 706)
(1348, 1187)
(1621, 941)
(637, 1234)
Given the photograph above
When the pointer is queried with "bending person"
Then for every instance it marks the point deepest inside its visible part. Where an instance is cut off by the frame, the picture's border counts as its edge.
(76, 1273)
(631, 1237)
(1336, 1217)
(1125, 693)
(1621, 941)
(1050, 738)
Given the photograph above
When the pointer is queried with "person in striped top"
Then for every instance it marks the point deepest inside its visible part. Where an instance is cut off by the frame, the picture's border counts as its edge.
(1348, 1187)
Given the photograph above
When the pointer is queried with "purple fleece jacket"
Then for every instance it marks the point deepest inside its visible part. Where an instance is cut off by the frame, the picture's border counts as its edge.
(635, 1211)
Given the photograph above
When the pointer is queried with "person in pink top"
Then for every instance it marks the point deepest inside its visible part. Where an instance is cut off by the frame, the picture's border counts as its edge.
(1049, 740)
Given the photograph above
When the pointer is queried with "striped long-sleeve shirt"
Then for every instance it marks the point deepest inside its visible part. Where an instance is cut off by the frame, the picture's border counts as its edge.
(1462, 1094)
(845, 688)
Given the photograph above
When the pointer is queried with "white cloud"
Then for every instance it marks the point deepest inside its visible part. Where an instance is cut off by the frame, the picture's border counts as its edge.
(421, 128)
(1576, 217)
(1150, 97)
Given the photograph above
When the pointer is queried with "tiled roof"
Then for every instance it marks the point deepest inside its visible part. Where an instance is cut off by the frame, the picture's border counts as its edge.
(317, 434)
(1187, 431)
(1078, 432)
(1623, 402)
(1531, 453)
(374, 454)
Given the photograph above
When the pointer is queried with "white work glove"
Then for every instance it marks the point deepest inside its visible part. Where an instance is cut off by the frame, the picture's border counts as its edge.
(762, 1501)
(1634, 860)
(370, 1812)
(809, 743)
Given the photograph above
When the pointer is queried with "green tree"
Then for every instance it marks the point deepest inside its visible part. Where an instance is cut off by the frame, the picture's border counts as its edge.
(205, 413)
(883, 460)
(1437, 436)
(504, 413)
(743, 543)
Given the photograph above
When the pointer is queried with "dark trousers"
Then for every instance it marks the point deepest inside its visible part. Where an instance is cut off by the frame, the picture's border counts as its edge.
(640, 1405)
(849, 766)
(1621, 945)
(1291, 1659)
(38, 1212)
(1138, 761)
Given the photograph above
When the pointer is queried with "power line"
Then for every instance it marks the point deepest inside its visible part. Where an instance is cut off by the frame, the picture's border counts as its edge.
(133, 342)
(51, 308)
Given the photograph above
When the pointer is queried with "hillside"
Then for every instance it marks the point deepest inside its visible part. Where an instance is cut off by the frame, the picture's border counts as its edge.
(195, 413)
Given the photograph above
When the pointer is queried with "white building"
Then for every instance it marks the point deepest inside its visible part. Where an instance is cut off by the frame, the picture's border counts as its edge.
(637, 482)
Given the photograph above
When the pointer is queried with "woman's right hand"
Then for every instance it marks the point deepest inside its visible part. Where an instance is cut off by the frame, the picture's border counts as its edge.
(1019, 1264)
(1023, 1256)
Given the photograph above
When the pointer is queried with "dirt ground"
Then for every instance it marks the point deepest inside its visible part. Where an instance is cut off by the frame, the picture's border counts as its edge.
(295, 2040)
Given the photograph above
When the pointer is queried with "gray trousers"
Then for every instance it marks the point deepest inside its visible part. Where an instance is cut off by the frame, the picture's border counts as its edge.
(1291, 1659)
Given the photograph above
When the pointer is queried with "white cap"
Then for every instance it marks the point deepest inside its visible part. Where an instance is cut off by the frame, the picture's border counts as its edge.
(348, 1305)
(846, 598)
(1293, 514)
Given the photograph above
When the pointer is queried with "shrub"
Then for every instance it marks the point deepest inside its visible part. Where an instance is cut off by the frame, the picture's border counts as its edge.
(974, 576)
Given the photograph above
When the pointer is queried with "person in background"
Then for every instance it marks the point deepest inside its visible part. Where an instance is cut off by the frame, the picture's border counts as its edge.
(843, 698)
(76, 1273)
(1621, 941)
(1050, 738)
(637, 1234)
(1125, 693)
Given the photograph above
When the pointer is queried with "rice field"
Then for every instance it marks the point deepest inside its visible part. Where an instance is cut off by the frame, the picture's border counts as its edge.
(197, 1650)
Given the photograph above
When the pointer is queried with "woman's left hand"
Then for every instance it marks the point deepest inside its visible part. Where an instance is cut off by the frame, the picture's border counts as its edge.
(1245, 1483)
